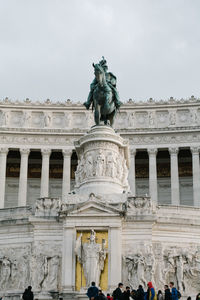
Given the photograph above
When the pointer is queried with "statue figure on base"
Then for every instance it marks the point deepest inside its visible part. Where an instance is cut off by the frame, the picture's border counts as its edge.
(92, 256)
(103, 94)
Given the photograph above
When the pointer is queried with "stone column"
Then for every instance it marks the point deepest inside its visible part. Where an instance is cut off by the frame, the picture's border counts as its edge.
(153, 174)
(68, 265)
(131, 175)
(66, 172)
(3, 159)
(196, 175)
(175, 196)
(44, 190)
(22, 194)
(115, 257)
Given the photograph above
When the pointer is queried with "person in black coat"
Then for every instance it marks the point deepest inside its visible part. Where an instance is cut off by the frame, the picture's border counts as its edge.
(28, 294)
(92, 291)
(126, 293)
(168, 295)
(117, 294)
(140, 293)
(101, 296)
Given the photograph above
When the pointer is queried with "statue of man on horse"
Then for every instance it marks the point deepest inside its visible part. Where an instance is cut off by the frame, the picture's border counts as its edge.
(103, 94)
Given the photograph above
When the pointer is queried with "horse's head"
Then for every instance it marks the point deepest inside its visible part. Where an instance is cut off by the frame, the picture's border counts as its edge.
(99, 73)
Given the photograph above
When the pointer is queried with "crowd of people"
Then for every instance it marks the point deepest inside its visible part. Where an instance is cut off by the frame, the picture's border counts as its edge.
(170, 293)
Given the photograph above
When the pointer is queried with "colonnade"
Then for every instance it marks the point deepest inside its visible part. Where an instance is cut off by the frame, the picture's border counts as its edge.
(23, 176)
(175, 194)
(152, 152)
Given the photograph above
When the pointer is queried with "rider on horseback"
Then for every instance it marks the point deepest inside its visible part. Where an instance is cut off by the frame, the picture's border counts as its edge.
(111, 81)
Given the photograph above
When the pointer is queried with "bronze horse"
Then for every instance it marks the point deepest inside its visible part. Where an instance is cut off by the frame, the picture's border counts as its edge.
(103, 98)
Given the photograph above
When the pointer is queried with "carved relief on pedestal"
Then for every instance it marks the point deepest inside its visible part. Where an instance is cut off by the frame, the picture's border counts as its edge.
(105, 160)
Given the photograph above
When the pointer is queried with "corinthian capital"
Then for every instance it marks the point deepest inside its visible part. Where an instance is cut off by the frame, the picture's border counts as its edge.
(24, 151)
(173, 150)
(152, 151)
(195, 149)
(67, 152)
(4, 150)
(46, 151)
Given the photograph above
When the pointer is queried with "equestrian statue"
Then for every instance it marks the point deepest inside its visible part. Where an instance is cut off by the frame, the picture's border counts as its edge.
(103, 95)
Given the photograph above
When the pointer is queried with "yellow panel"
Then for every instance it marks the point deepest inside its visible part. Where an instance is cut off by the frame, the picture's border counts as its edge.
(79, 270)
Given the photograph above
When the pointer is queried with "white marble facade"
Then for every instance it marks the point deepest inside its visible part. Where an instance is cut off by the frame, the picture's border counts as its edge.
(150, 126)
(153, 227)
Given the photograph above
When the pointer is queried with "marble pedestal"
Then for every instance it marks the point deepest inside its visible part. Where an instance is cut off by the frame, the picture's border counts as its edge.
(103, 162)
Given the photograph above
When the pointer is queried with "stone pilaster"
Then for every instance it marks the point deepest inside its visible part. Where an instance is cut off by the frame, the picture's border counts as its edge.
(68, 267)
(115, 257)
(22, 194)
(175, 196)
(196, 175)
(131, 175)
(153, 174)
(44, 191)
(66, 172)
(3, 159)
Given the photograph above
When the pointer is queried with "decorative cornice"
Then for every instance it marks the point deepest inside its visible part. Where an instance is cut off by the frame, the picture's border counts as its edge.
(68, 102)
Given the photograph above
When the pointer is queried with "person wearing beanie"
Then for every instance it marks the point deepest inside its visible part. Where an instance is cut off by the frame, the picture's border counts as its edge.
(151, 294)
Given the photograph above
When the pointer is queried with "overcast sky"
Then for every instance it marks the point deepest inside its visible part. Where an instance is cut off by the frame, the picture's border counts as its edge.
(47, 47)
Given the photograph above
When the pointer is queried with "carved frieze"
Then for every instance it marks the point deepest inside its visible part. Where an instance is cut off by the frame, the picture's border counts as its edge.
(14, 268)
(139, 206)
(45, 265)
(162, 264)
(47, 207)
(105, 161)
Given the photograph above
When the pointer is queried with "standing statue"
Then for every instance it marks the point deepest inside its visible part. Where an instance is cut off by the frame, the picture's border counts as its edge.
(103, 94)
(92, 256)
